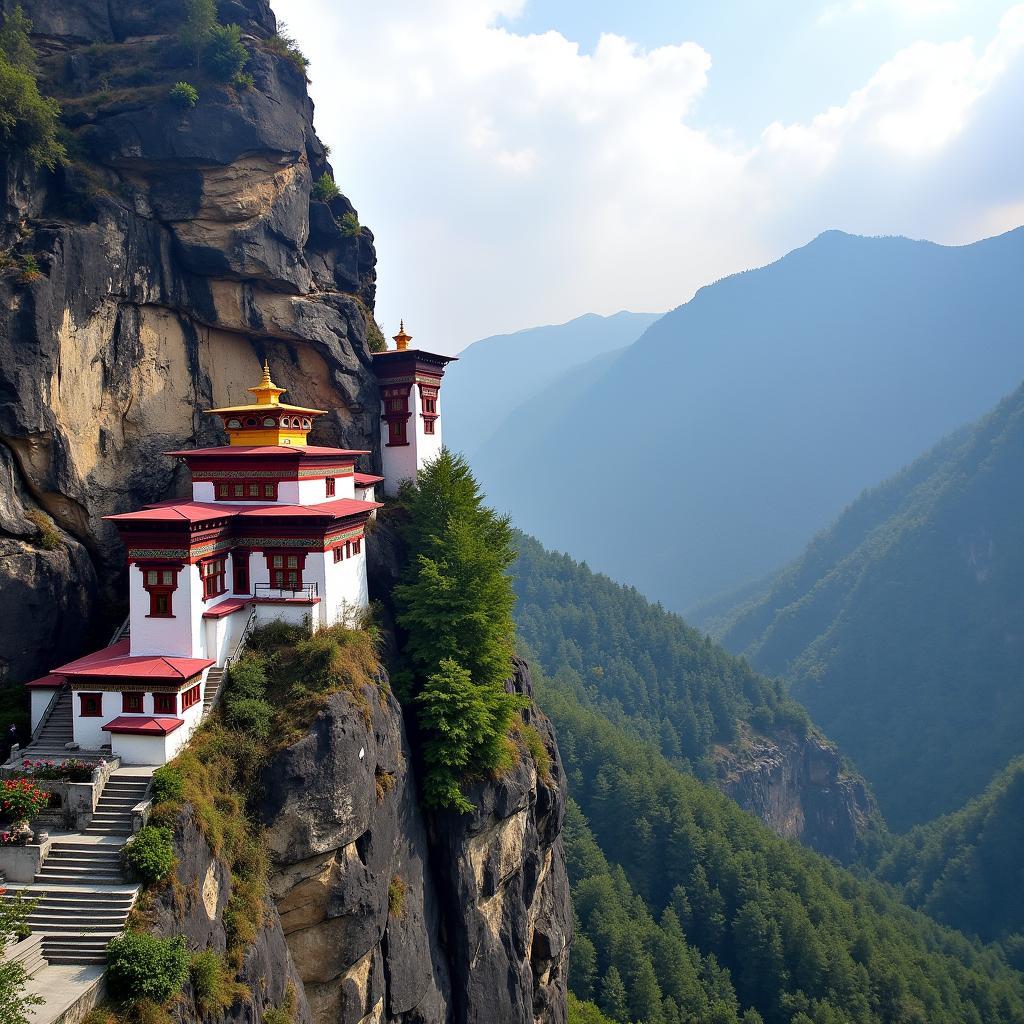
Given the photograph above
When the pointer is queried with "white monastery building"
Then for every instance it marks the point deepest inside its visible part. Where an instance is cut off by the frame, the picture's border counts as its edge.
(274, 529)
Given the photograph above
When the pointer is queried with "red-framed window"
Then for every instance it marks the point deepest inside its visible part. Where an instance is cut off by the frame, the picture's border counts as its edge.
(250, 490)
(339, 553)
(428, 407)
(330, 486)
(240, 571)
(165, 703)
(160, 582)
(396, 432)
(428, 426)
(214, 575)
(190, 697)
(286, 569)
(90, 705)
(131, 703)
(357, 546)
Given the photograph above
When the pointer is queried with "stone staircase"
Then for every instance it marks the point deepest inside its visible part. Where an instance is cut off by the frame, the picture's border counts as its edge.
(51, 744)
(214, 679)
(113, 813)
(83, 896)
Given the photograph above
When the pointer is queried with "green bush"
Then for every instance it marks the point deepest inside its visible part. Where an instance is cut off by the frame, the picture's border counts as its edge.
(284, 45)
(141, 966)
(349, 225)
(213, 982)
(168, 784)
(200, 21)
(224, 53)
(29, 122)
(396, 897)
(325, 189)
(149, 855)
(185, 95)
(250, 715)
(243, 80)
(248, 677)
(49, 535)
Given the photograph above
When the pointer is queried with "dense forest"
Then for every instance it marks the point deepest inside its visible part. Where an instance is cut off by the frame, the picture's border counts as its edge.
(690, 910)
(966, 869)
(900, 627)
(640, 666)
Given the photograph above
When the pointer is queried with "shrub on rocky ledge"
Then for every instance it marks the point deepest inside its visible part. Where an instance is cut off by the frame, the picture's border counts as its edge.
(185, 95)
(325, 189)
(149, 855)
(141, 966)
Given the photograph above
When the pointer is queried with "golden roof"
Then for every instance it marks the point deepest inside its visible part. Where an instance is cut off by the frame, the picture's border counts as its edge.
(402, 339)
(269, 396)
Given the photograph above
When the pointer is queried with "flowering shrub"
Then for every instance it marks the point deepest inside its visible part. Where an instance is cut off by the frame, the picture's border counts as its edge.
(21, 799)
(72, 770)
(14, 838)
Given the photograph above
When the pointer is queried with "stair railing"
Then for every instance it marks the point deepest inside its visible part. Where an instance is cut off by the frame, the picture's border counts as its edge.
(47, 711)
(250, 625)
(120, 631)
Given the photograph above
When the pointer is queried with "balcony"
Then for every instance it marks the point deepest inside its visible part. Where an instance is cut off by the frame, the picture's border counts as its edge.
(308, 592)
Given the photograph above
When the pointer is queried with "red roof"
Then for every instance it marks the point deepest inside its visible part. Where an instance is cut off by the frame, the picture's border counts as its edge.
(50, 682)
(228, 607)
(263, 451)
(367, 479)
(201, 511)
(117, 662)
(143, 725)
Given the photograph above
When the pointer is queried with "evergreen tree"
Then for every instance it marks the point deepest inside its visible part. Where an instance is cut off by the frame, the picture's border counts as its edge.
(200, 21)
(613, 996)
(15, 44)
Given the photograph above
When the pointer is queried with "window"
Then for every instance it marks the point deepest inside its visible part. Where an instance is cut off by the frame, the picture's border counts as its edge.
(131, 703)
(270, 491)
(240, 567)
(330, 487)
(339, 553)
(213, 574)
(165, 703)
(238, 491)
(91, 705)
(234, 424)
(428, 426)
(357, 546)
(160, 583)
(269, 421)
(222, 491)
(190, 697)
(396, 432)
(286, 572)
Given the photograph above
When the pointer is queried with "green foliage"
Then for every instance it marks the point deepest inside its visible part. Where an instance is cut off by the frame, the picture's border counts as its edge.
(29, 122)
(706, 915)
(324, 188)
(15, 45)
(167, 784)
(141, 966)
(349, 225)
(396, 897)
(213, 982)
(224, 55)
(200, 21)
(21, 800)
(243, 80)
(456, 599)
(185, 95)
(15, 1004)
(893, 625)
(455, 604)
(641, 666)
(49, 536)
(249, 715)
(375, 336)
(966, 869)
(464, 732)
(582, 1012)
(284, 45)
(285, 1013)
(149, 855)
(534, 743)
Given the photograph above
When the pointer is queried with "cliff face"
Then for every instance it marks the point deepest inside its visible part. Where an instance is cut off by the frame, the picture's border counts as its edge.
(176, 250)
(390, 916)
(799, 787)
(379, 913)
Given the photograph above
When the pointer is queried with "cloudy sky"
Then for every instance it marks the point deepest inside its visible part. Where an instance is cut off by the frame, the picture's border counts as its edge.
(525, 161)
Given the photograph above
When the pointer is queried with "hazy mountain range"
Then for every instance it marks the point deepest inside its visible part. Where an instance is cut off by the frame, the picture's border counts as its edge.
(710, 450)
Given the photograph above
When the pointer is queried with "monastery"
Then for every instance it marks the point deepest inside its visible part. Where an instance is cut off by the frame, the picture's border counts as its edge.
(274, 529)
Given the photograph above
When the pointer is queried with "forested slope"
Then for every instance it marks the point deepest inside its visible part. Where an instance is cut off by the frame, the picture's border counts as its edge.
(900, 627)
(690, 910)
(966, 869)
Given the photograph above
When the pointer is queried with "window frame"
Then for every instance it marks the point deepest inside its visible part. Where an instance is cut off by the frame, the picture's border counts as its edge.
(215, 582)
(161, 590)
(190, 697)
(165, 704)
(133, 702)
(90, 705)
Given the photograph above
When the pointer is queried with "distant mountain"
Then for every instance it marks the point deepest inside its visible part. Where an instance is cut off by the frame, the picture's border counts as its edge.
(901, 628)
(966, 869)
(496, 375)
(745, 420)
(704, 709)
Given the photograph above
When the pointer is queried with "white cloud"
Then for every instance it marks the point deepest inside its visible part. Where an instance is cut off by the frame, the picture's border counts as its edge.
(514, 180)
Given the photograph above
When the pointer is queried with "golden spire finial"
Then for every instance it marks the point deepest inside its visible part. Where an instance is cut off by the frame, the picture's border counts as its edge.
(267, 392)
(401, 338)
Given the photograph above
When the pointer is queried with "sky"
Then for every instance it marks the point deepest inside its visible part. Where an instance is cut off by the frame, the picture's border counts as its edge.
(522, 162)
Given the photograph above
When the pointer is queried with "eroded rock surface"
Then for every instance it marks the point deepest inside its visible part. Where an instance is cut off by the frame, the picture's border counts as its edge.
(175, 251)
(393, 918)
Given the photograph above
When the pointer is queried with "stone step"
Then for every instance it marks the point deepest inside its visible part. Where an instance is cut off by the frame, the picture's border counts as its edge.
(76, 876)
(94, 916)
(84, 930)
(66, 903)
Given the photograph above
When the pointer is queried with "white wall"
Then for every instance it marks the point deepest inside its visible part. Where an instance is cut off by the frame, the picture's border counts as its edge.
(295, 614)
(173, 636)
(346, 590)
(142, 750)
(40, 702)
(88, 732)
(366, 494)
(428, 446)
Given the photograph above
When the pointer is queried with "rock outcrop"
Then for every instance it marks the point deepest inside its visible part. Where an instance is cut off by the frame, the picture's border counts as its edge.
(391, 916)
(799, 787)
(146, 279)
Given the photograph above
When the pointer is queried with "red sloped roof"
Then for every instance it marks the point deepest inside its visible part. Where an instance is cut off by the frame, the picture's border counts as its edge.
(367, 479)
(263, 451)
(338, 509)
(50, 682)
(116, 662)
(143, 725)
(201, 511)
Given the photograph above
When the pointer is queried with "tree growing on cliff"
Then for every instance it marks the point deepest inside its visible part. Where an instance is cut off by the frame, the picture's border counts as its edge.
(200, 21)
(15, 1004)
(455, 602)
(28, 120)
